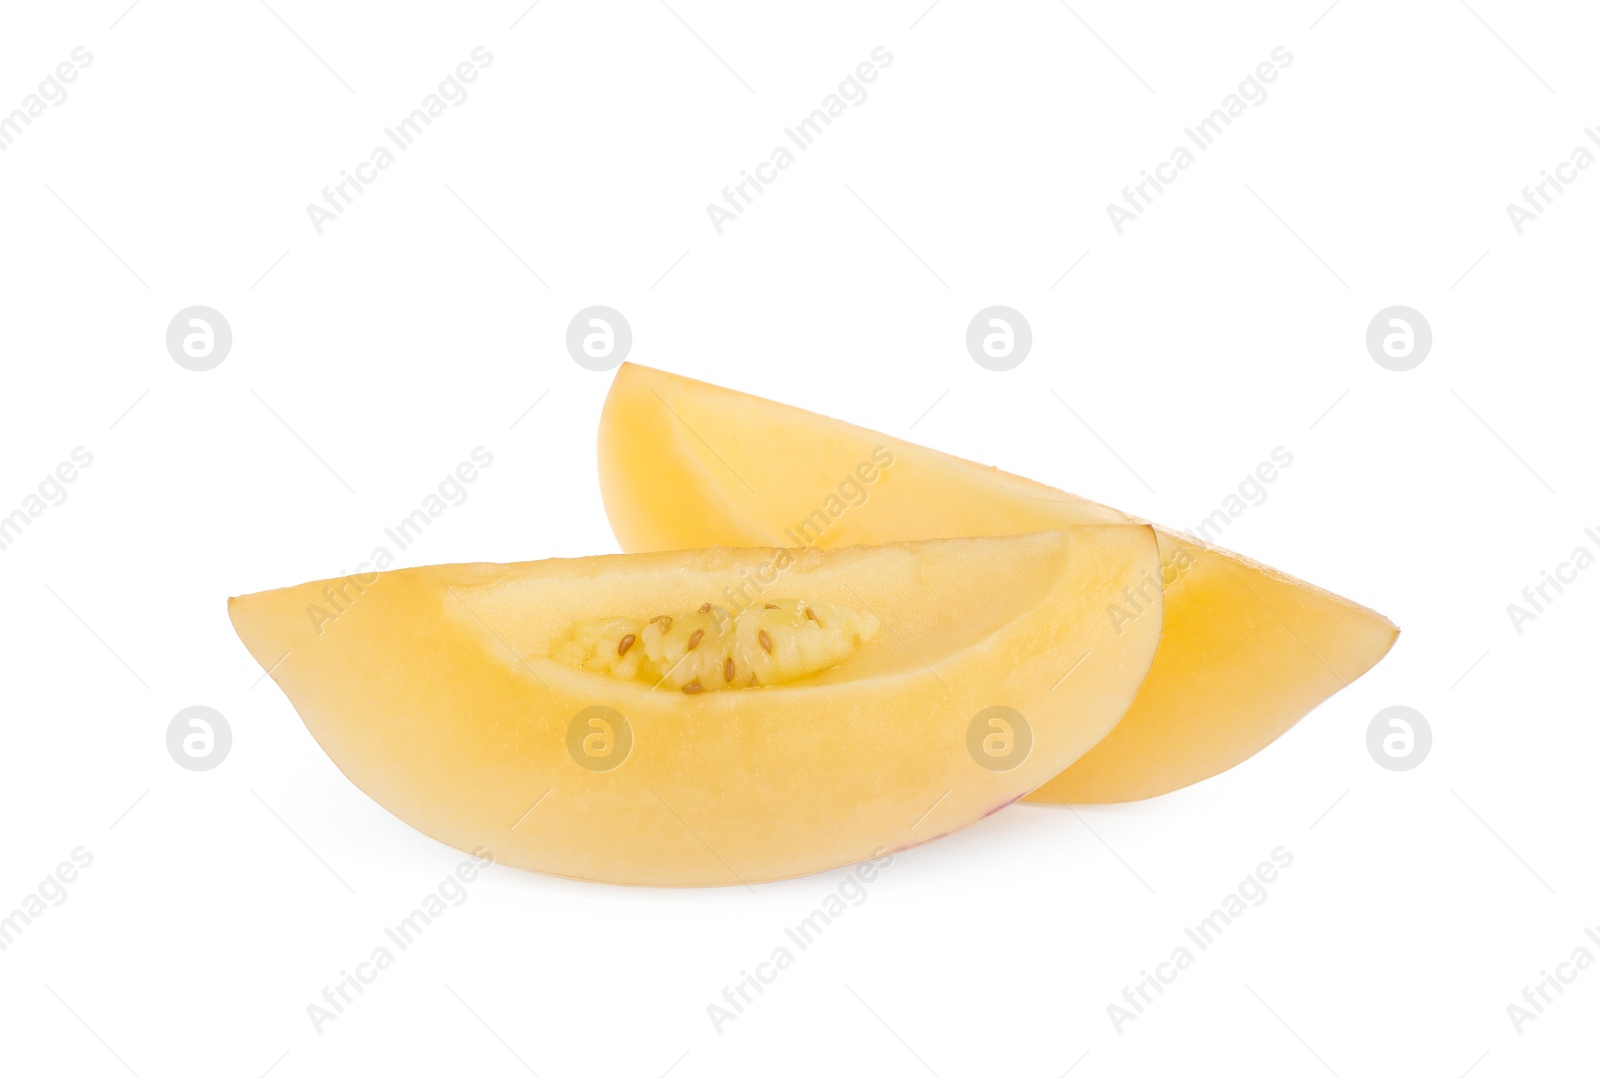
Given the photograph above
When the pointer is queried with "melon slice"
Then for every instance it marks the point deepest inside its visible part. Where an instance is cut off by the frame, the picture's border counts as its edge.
(1246, 650)
(908, 690)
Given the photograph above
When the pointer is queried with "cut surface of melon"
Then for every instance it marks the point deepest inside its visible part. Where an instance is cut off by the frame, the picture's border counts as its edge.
(1246, 650)
(444, 693)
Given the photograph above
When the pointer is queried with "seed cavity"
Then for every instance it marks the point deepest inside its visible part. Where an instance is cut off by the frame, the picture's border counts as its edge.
(715, 648)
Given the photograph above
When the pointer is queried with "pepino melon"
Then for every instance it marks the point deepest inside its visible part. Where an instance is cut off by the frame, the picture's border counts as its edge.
(719, 716)
(1246, 650)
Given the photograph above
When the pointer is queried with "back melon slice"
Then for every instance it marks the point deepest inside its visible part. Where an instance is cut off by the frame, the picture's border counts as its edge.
(713, 717)
(1246, 650)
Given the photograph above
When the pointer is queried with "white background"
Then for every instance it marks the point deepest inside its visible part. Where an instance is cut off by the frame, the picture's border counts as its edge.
(370, 359)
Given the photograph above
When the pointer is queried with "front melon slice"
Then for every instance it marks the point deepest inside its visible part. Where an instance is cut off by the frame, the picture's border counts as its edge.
(494, 707)
(1246, 650)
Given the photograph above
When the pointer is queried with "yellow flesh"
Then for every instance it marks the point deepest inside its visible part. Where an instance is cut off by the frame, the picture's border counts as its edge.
(436, 691)
(1246, 650)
